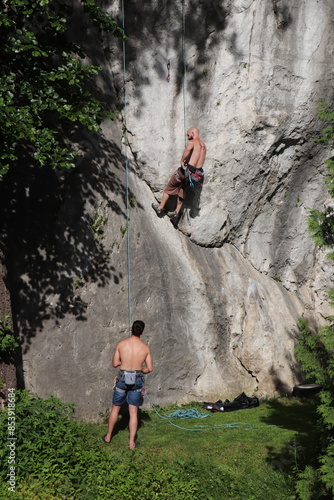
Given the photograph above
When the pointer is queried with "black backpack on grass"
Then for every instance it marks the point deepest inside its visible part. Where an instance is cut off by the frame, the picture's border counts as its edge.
(241, 402)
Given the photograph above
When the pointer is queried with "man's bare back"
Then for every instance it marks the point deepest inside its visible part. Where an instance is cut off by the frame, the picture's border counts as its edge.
(198, 154)
(131, 354)
(195, 151)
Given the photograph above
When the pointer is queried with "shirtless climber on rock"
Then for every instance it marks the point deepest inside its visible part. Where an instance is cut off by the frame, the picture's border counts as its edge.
(192, 161)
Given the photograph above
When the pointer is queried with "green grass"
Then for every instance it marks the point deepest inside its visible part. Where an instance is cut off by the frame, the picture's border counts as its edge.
(180, 459)
(255, 461)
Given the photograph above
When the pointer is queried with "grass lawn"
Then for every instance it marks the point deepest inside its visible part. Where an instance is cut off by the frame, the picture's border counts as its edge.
(255, 460)
(251, 454)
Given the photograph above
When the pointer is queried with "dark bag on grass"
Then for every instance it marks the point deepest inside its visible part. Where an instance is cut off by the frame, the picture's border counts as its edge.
(241, 402)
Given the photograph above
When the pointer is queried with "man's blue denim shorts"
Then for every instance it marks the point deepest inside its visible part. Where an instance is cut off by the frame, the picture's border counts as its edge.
(128, 393)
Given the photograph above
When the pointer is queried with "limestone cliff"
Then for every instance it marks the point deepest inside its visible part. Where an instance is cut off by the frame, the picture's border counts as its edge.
(220, 294)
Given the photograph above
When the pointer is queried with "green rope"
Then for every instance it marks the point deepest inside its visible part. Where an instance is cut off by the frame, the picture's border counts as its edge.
(184, 69)
(126, 176)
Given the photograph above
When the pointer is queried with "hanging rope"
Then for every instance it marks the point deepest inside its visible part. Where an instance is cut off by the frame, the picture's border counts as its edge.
(125, 132)
(184, 69)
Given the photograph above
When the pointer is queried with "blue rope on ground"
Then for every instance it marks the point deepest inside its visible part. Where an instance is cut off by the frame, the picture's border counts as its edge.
(233, 425)
(192, 413)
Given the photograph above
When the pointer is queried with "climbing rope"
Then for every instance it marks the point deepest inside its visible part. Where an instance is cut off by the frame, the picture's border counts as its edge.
(125, 132)
(184, 86)
(234, 425)
(192, 413)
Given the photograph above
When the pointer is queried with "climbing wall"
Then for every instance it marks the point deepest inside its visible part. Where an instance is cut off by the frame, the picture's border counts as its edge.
(221, 293)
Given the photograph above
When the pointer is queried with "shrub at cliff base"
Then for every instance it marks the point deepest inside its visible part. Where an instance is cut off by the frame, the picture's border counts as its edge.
(57, 459)
(315, 350)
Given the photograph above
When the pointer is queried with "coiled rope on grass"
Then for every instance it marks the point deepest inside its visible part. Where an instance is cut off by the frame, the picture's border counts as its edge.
(192, 413)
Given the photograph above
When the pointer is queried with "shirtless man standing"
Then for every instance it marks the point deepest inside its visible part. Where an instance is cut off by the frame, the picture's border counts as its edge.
(130, 355)
(192, 160)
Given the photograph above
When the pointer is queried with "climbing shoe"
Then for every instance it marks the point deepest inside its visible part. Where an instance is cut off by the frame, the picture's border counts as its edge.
(159, 211)
(174, 217)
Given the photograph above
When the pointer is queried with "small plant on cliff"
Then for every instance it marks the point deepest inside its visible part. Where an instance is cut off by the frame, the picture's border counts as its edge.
(315, 351)
(98, 225)
(7, 341)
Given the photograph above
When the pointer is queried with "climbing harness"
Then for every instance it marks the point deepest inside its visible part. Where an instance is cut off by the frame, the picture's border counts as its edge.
(234, 425)
(195, 176)
(125, 130)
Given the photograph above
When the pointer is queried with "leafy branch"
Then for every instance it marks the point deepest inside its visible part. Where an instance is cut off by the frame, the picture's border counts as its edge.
(43, 83)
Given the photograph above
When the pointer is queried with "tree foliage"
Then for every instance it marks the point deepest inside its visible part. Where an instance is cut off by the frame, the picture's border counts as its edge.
(315, 351)
(43, 81)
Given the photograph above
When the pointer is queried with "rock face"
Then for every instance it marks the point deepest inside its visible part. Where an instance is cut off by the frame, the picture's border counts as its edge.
(221, 294)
